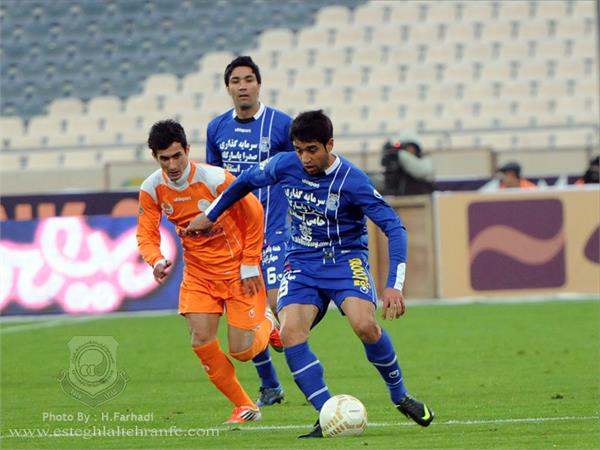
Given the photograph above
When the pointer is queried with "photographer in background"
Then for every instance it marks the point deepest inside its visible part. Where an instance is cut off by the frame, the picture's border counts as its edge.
(406, 171)
(592, 174)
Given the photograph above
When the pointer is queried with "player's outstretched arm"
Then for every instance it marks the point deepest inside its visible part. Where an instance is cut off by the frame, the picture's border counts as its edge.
(259, 176)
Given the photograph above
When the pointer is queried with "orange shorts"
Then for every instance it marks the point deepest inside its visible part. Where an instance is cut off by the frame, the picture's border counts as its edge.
(218, 296)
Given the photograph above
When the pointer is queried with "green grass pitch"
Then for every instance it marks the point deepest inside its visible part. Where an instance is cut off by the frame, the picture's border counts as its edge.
(498, 376)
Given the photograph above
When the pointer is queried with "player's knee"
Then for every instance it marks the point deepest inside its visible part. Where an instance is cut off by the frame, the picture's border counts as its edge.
(368, 331)
(243, 356)
(290, 337)
(199, 339)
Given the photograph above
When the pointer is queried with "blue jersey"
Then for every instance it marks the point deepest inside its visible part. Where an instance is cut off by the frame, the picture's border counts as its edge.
(328, 211)
(238, 145)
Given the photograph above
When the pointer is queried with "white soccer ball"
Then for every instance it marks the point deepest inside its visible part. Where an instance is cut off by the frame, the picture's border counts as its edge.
(343, 415)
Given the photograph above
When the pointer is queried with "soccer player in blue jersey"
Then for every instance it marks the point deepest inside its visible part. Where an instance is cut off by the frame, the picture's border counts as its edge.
(327, 257)
(239, 139)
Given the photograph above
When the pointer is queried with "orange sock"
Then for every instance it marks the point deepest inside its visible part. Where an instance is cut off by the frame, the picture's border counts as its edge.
(261, 340)
(222, 373)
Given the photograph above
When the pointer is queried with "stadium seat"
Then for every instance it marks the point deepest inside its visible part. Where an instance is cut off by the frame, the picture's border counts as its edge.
(11, 126)
(480, 11)
(47, 159)
(551, 10)
(195, 83)
(66, 140)
(391, 34)
(333, 16)
(514, 50)
(581, 8)
(369, 94)
(350, 76)
(66, 107)
(315, 37)
(81, 158)
(105, 105)
(140, 104)
(372, 13)
(47, 125)
(295, 99)
(440, 11)
(276, 39)
(311, 77)
(333, 96)
(215, 61)
(184, 102)
(12, 161)
(161, 84)
(408, 12)
(295, 58)
(333, 57)
(515, 9)
(266, 59)
(353, 35)
(372, 55)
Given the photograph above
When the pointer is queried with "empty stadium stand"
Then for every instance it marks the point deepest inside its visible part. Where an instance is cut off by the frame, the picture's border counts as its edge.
(507, 77)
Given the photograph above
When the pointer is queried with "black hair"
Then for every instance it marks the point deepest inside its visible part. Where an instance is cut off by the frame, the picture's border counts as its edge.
(241, 61)
(312, 126)
(511, 166)
(164, 133)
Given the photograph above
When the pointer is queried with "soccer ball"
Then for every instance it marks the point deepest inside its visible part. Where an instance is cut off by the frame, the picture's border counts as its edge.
(343, 415)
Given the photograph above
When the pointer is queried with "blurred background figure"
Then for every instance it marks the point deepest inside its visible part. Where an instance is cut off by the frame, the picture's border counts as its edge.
(406, 170)
(508, 176)
(592, 173)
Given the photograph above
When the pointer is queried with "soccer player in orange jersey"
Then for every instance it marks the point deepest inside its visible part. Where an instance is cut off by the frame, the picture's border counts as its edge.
(221, 267)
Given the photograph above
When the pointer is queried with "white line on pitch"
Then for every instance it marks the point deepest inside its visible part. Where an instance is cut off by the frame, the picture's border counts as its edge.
(447, 422)
(45, 324)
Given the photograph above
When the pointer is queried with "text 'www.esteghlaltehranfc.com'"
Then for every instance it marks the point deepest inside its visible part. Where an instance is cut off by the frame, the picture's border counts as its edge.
(105, 431)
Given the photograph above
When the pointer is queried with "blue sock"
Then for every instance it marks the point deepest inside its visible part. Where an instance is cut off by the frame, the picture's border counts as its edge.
(382, 355)
(308, 374)
(265, 369)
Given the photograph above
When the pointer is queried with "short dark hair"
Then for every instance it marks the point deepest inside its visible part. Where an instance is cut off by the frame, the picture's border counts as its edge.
(164, 133)
(241, 61)
(312, 126)
(511, 166)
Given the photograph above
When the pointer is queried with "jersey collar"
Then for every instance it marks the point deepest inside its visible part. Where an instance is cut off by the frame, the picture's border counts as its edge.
(185, 179)
(256, 116)
(334, 165)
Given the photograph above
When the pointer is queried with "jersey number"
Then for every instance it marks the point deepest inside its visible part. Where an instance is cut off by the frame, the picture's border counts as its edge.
(271, 275)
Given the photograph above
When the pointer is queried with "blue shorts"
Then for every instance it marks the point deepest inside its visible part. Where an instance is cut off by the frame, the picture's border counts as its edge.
(273, 257)
(317, 283)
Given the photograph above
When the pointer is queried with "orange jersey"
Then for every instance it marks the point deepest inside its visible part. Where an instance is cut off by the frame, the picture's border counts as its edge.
(235, 239)
(523, 184)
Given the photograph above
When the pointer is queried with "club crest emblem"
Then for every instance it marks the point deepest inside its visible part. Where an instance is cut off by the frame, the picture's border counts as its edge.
(265, 144)
(333, 202)
(167, 208)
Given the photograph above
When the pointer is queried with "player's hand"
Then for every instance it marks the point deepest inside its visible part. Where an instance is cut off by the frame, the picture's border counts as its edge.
(199, 224)
(251, 285)
(393, 304)
(161, 271)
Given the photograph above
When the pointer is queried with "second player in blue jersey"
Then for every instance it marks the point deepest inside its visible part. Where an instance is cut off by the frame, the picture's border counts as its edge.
(238, 140)
(241, 138)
